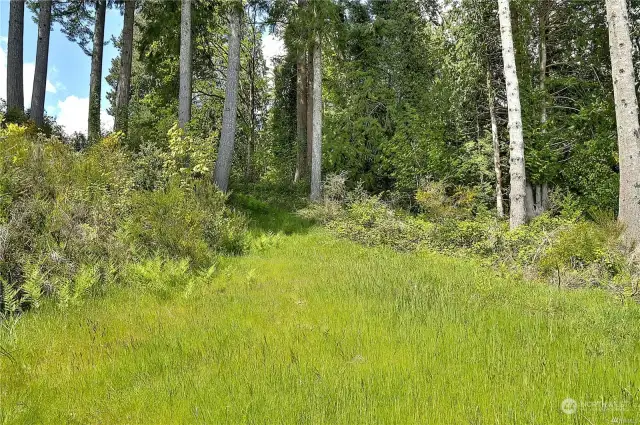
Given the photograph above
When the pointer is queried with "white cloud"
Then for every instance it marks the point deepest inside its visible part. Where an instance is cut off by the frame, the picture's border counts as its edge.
(73, 114)
(272, 46)
(28, 70)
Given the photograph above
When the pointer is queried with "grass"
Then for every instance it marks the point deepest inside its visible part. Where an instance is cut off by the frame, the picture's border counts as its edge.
(308, 329)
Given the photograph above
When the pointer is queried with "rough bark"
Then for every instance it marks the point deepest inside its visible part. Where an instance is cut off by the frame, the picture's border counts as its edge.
(517, 174)
(628, 127)
(496, 148)
(316, 148)
(184, 96)
(229, 113)
(15, 88)
(42, 62)
(542, 27)
(124, 78)
(95, 83)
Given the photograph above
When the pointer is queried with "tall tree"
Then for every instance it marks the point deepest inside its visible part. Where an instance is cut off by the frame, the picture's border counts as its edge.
(184, 96)
(496, 146)
(517, 173)
(95, 83)
(15, 89)
(229, 113)
(124, 78)
(301, 105)
(626, 116)
(42, 62)
(316, 148)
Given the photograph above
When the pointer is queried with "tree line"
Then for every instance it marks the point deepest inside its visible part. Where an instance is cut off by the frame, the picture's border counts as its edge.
(394, 92)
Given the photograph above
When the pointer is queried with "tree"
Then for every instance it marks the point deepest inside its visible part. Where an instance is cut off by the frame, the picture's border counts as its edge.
(496, 146)
(124, 78)
(95, 81)
(15, 89)
(184, 96)
(301, 103)
(517, 173)
(316, 148)
(626, 107)
(229, 114)
(42, 62)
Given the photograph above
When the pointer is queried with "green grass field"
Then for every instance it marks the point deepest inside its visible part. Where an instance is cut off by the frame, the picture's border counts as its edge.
(308, 329)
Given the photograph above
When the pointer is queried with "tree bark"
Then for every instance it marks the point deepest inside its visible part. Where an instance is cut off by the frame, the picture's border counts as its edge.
(309, 125)
(301, 116)
(628, 126)
(95, 84)
(496, 148)
(316, 148)
(124, 78)
(42, 62)
(529, 201)
(229, 113)
(184, 96)
(15, 88)
(542, 28)
(517, 174)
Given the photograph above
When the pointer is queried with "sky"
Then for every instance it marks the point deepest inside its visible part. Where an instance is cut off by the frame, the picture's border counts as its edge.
(67, 96)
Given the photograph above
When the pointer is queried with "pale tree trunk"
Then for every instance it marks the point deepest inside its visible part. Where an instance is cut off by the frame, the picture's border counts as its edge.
(309, 125)
(124, 78)
(626, 117)
(542, 27)
(252, 94)
(301, 116)
(42, 62)
(15, 88)
(95, 83)
(496, 147)
(229, 113)
(316, 148)
(517, 174)
(184, 96)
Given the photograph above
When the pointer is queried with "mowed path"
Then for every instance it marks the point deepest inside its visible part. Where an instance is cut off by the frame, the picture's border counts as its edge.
(309, 329)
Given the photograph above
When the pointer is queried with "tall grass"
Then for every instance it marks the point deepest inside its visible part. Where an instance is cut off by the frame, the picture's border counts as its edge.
(316, 330)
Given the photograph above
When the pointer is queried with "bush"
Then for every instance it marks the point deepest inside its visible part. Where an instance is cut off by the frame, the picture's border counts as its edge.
(70, 220)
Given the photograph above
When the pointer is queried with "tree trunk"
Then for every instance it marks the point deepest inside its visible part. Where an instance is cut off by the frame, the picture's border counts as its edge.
(126, 56)
(42, 62)
(15, 88)
(229, 113)
(95, 84)
(496, 148)
(316, 148)
(517, 174)
(252, 93)
(309, 125)
(301, 116)
(184, 96)
(542, 27)
(626, 117)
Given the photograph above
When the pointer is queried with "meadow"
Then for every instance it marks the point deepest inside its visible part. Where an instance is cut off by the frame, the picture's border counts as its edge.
(308, 328)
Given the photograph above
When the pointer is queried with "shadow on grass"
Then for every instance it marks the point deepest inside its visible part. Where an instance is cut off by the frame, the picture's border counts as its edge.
(265, 217)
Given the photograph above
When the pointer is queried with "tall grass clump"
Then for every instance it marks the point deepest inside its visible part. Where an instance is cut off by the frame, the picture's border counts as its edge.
(70, 221)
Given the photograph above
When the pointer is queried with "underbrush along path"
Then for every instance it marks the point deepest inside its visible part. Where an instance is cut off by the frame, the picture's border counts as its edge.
(311, 329)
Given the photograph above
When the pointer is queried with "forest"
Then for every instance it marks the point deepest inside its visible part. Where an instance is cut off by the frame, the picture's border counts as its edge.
(419, 211)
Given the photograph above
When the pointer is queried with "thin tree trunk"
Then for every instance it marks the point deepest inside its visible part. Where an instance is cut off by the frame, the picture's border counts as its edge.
(529, 202)
(184, 96)
(517, 174)
(126, 56)
(301, 116)
(15, 88)
(229, 113)
(496, 148)
(316, 149)
(42, 62)
(542, 27)
(252, 94)
(309, 125)
(626, 117)
(95, 84)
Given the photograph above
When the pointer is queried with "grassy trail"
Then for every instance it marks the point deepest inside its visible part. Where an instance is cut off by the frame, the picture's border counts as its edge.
(308, 329)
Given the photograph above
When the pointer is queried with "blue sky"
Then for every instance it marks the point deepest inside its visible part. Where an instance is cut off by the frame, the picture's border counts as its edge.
(67, 95)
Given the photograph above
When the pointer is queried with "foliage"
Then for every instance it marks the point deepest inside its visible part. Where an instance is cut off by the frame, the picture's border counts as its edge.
(69, 220)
